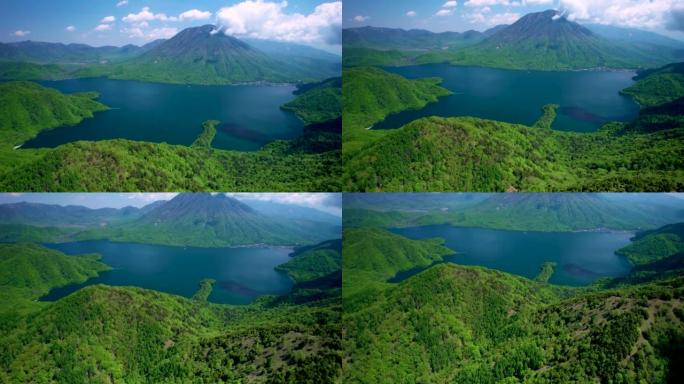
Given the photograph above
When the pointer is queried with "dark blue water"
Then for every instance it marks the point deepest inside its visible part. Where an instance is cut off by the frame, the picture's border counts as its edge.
(587, 99)
(241, 274)
(581, 257)
(250, 114)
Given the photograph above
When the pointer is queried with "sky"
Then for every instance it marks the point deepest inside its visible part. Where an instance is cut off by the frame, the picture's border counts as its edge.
(326, 202)
(120, 22)
(661, 16)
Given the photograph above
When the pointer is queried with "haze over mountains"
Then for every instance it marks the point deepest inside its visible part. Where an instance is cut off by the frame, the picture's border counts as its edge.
(541, 40)
(189, 219)
(196, 55)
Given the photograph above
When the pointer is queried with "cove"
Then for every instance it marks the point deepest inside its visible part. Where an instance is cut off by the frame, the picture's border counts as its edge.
(587, 99)
(241, 274)
(581, 257)
(250, 115)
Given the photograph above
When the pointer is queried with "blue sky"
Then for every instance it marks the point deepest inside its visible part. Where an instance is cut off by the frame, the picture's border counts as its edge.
(663, 16)
(120, 22)
(327, 202)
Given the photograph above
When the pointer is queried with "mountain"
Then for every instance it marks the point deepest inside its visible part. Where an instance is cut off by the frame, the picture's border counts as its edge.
(302, 57)
(43, 52)
(48, 215)
(634, 36)
(206, 220)
(413, 39)
(205, 55)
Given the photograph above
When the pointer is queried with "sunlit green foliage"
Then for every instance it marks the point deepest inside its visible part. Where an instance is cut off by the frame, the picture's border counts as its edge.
(658, 86)
(103, 334)
(310, 163)
(650, 246)
(207, 136)
(319, 102)
(466, 325)
(28, 271)
(313, 262)
(472, 154)
(27, 108)
(545, 272)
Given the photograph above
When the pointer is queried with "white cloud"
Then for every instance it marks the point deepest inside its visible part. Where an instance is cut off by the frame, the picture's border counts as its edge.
(70, 28)
(444, 12)
(150, 197)
(103, 27)
(411, 13)
(108, 19)
(360, 18)
(450, 4)
(194, 14)
(479, 17)
(537, 2)
(161, 33)
(267, 20)
(146, 15)
(631, 13)
(122, 3)
(21, 33)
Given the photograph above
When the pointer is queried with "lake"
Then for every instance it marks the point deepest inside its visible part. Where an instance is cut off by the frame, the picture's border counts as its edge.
(250, 115)
(241, 274)
(581, 257)
(587, 99)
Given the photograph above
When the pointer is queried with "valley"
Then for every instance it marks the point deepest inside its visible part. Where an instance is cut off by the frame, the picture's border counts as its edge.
(442, 303)
(257, 298)
(543, 104)
(269, 136)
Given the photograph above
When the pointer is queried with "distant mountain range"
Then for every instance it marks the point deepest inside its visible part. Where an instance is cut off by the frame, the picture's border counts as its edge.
(542, 40)
(189, 219)
(197, 55)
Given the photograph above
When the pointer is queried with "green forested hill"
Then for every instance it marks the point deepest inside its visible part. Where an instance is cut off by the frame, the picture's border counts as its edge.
(466, 153)
(658, 86)
(462, 324)
(319, 102)
(314, 262)
(370, 94)
(27, 108)
(650, 246)
(28, 271)
(103, 334)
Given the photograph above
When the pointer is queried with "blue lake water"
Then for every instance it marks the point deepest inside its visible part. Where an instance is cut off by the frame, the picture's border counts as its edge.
(241, 274)
(587, 99)
(250, 114)
(581, 257)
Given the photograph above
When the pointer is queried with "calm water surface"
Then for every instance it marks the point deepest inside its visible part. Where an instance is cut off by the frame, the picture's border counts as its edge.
(581, 257)
(241, 274)
(250, 114)
(587, 99)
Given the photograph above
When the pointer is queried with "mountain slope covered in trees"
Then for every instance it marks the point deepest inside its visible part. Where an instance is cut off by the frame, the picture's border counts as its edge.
(462, 324)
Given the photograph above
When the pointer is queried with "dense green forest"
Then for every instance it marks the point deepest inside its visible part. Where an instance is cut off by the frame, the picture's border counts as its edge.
(103, 334)
(467, 153)
(453, 323)
(311, 162)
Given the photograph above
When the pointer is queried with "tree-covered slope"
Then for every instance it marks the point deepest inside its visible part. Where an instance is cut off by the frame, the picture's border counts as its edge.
(370, 94)
(318, 102)
(28, 271)
(658, 86)
(468, 154)
(314, 262)
(102, 334)
(27, 108)
(650, 246)
(461, 324)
